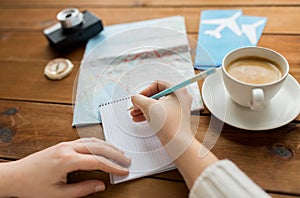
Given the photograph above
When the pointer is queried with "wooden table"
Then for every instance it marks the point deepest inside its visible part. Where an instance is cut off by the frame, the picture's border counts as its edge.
(42, 109)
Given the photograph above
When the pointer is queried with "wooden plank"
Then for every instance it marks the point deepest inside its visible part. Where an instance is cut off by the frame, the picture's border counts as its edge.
(26, 81)
(67, 3)
(279, 18)
(41, 125)
(217, 2)
(274, 195)
(32, 46)
(33, 127)
(147, 187)
(118, 3)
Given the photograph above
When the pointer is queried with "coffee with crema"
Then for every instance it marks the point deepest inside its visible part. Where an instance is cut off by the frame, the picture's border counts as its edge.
(254, 70)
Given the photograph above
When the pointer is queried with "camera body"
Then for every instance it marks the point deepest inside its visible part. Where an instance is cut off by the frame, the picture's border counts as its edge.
(73, 29)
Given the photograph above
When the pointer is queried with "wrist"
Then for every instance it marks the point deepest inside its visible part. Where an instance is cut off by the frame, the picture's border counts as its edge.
(176, 143)
(8, 180)
(179, 135)
(194, 161)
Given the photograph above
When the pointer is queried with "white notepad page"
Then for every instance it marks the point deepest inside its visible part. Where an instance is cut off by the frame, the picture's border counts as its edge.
(137, 140)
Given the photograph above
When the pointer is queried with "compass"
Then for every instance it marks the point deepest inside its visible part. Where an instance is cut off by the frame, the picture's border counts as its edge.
(58, 69)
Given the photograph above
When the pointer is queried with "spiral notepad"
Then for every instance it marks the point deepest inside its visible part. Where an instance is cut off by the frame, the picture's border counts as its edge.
(137, 140)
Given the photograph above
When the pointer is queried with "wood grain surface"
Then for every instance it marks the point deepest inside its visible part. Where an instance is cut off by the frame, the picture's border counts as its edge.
(36, 113)
(142, 3)
(279, 18)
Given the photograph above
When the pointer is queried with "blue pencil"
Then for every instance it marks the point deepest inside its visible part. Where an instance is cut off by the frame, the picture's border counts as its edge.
(187, 82)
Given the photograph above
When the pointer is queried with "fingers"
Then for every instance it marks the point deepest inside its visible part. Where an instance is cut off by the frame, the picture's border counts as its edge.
(142, 103)
(82, 189)
(96, 140)
(139, 118)
(137, 115)
(96, 162)
(154, 88)
(102, 159)
(136, 112)
(104, 149)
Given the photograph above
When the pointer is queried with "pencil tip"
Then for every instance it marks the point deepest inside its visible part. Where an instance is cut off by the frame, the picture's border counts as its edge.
(129, 109)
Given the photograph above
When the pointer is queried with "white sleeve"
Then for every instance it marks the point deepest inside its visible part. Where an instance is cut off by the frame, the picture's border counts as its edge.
(225, 179)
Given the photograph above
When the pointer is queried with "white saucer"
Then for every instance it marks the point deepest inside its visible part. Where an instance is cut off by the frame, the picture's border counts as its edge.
(282, 109)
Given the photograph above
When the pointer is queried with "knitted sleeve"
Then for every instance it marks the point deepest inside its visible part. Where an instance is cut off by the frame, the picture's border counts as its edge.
(225, 179)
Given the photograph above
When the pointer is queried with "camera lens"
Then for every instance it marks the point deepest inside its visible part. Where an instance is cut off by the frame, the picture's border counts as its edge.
(70, 18)
(68, 15)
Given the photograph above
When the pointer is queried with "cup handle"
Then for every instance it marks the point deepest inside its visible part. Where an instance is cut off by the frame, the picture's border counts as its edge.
(257, 102)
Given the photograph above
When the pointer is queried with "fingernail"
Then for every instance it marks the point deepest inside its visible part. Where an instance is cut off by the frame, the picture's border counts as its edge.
(124, 169)
(122, 151)
(99, 188)
(128, 160)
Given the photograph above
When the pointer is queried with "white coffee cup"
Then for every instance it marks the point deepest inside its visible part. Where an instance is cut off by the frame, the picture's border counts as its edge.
(254, 96)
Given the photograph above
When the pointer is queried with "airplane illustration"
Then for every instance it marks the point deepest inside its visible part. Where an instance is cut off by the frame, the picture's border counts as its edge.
(223, 23)
(250, 30)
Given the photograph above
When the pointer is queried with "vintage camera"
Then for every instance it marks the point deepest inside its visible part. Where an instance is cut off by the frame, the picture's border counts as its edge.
(74, 28)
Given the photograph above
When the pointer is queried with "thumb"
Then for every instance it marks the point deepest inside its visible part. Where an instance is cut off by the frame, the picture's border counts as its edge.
(142, 102)
(83, 188)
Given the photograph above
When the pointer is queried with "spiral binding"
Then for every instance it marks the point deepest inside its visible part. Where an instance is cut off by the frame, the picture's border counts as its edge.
(114, 101)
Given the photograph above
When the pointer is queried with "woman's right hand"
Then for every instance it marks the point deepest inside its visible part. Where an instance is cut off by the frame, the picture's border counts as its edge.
(167, 116)
(170, 118)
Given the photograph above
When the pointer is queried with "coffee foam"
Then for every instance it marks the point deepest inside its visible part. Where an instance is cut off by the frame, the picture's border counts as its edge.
(254, 70)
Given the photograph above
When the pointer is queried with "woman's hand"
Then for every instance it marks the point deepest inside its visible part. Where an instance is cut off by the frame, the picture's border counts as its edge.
(168, 116)
(44, 174)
